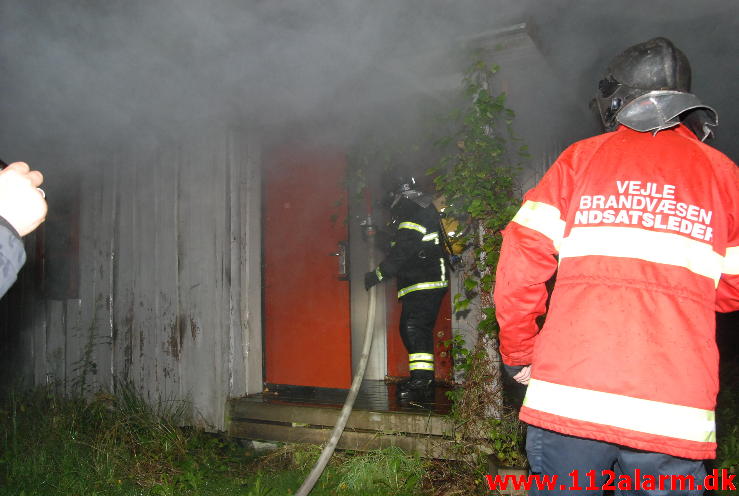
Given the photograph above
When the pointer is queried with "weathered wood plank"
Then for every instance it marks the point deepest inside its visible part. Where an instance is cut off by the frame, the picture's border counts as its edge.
(324, 416)
(84, 312)
(145, 283)
(39, 329)
(201, 229)
(76, 347)
(234, 353)
(123, 273)
(103, 350)
(430, 446)
(167, 290)
(222, 293)
(55, 342)
(251, 301)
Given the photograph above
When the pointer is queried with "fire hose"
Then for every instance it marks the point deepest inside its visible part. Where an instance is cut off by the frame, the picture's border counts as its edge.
(346, 410)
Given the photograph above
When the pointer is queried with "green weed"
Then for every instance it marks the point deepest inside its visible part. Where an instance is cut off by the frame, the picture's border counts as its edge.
(114, 444)
(389, 471)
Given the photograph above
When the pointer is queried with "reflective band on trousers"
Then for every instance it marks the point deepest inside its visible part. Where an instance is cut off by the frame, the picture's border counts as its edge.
(413, 226)
(423, 285)
(378, 274)
(650, 246)
(625, 412)
(434, 236)
(544, 218)
(429, 357)
(420, 366)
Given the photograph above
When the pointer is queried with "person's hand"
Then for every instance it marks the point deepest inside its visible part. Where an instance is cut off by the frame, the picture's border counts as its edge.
(22, 203)
(523, 376)
(370, 279)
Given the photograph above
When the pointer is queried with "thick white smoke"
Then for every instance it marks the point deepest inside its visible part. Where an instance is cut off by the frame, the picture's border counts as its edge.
(79, 73)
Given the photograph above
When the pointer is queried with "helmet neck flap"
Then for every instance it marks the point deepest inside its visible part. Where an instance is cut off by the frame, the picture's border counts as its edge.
(658, 110)
(647, 88)
(415, 196)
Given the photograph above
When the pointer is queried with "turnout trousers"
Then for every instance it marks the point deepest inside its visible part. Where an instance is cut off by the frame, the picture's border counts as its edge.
(571, 458)
(417, 319)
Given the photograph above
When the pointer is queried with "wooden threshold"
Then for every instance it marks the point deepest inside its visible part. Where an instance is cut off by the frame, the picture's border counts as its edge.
(270, 418)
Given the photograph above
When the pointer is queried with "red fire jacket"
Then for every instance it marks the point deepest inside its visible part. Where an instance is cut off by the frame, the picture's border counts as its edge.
(643, 231)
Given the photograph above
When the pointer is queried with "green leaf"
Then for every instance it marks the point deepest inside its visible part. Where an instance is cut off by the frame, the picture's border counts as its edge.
(470, 284)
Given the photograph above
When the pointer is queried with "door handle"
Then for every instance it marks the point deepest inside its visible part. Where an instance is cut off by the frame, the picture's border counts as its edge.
(343, 274)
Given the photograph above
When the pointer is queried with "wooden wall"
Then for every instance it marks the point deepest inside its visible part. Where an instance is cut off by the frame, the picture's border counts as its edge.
(168, 296)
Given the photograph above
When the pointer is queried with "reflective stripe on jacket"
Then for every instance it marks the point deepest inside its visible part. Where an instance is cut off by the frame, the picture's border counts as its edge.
(416, 258)
(646, 231)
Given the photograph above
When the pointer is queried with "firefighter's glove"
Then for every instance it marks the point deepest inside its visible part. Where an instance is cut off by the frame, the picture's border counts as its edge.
(370, 279)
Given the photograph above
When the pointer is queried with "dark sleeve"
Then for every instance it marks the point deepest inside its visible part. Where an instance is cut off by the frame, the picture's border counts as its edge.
(405, 245)
(12, 255)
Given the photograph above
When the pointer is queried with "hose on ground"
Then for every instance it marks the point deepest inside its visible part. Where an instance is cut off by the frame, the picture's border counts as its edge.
(346, 410)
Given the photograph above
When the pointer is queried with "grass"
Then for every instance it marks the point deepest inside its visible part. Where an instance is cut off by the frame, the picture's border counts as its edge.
(120, 445)
(112, 445)
(391, 469)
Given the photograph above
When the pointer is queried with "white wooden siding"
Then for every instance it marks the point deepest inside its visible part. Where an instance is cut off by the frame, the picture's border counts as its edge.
(169, 292)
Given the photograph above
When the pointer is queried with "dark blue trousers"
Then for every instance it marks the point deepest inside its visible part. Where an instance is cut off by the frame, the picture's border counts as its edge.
(589, 465)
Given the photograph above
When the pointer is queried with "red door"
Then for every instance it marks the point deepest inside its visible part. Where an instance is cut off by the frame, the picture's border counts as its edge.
(306, 298)
(397, 356)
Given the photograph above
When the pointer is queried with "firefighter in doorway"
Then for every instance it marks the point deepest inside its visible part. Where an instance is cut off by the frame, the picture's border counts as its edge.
(641, 225)
(417, 261)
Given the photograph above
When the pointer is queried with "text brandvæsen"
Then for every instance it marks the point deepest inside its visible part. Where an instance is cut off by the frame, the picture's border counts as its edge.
(648, 204)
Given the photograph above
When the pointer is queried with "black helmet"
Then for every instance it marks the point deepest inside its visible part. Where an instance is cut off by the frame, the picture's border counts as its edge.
(404, 183)
(398, 185)
(647, 88)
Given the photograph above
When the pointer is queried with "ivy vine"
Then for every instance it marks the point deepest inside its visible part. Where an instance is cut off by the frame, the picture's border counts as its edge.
(477, 175)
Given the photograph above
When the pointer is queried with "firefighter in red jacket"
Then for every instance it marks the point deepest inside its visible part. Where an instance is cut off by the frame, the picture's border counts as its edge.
(641, 225)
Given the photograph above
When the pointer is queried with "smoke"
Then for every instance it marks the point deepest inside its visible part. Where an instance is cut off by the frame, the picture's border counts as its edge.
(81, 74)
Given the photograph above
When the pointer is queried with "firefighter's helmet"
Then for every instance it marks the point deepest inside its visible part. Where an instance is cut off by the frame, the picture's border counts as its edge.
(647, 88)
(398, 186)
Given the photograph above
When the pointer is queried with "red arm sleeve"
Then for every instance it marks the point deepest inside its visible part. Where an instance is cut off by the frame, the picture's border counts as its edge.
(727, 292)
(527, 262)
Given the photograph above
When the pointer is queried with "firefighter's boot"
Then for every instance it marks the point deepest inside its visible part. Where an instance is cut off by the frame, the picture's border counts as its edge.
(418, 389)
